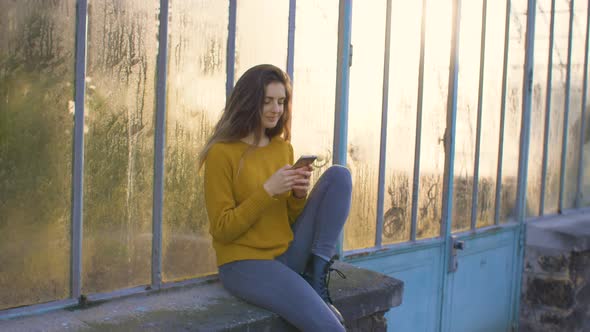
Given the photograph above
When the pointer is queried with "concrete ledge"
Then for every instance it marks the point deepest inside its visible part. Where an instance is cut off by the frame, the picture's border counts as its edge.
(363, 295)
(562, 232)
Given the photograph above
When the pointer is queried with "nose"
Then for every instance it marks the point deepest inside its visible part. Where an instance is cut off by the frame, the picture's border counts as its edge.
(276, 107)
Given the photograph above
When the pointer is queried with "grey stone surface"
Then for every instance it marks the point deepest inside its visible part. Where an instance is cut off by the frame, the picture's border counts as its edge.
(363, 297)
(562, 232)
(556, 276)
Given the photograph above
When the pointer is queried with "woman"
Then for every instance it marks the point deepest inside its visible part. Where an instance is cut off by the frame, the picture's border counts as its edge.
(273, 243)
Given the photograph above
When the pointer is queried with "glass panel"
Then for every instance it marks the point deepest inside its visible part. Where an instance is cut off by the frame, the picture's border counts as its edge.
(559, 68)
(538, 107)
(513, 117)
(196, 97)
(492, 97)
(364, 121)
(261, 34)
(314, 79)
(36, 131)
(118, 163)
(401, 121)
(436, 85)
(575, 123)
(466, 130)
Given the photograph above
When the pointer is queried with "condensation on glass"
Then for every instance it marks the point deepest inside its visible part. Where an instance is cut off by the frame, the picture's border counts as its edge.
(314, 81)
(36, 131)
(575, 121)
(401, 120)
(261, 34)
(119, 140)
(466, 127)
(196, 97)
(513, 115)
(537, 119)
(364, 121)
(559, 71)
(439, 25)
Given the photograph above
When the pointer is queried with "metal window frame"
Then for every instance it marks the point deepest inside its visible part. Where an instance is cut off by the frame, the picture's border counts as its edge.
(498, 199)
(524, 155)
(562, 167)
(449, 145)
(159, 145)
(474, 194)
(231, 48)
(418, 138)
(78, 157)
(579, 184)
(383, 143)
(547, 125)
(343, 64)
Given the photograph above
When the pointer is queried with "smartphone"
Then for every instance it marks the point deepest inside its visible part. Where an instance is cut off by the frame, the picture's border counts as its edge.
(304, 161)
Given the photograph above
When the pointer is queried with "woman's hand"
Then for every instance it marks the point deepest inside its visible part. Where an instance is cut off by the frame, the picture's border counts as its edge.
(301, 186)
(286, 179)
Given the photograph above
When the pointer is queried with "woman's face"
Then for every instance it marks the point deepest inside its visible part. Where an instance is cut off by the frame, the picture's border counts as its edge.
(273, 107)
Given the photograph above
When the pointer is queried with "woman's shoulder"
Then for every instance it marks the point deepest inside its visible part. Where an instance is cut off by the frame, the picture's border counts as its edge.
(225, 149)
(281, 142)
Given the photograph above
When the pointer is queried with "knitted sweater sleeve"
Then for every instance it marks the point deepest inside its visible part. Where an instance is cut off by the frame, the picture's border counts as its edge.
(228, 220)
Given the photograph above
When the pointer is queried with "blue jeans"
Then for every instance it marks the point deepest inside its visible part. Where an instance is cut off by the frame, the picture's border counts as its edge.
(277, 285)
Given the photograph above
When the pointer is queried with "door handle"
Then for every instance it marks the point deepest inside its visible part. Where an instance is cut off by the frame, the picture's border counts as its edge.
(454, 246)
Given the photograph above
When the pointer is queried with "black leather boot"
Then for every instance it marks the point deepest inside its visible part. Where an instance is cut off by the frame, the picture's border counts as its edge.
(317, 274)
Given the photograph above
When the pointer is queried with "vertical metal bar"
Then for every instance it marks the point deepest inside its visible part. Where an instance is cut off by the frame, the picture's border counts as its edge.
(418, 139)
(568, 77)
(482, 55)
(547, 111)
(231, 48)
(78, 157)
(342, 87)
(583, 115)
(383, 145)
(498, 200)
(449, 145)
(159, 145)
(291, 39)
(523, 156)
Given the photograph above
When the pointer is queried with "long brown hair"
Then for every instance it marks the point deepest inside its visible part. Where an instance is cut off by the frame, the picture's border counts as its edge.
(243, 108)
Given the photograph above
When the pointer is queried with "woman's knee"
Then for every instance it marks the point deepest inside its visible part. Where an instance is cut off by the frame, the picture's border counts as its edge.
(340, 175)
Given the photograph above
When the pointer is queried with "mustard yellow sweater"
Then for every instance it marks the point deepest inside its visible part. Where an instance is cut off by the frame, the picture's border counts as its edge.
(245, 221)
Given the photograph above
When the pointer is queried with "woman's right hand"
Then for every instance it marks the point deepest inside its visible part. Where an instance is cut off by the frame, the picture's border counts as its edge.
(281, 181)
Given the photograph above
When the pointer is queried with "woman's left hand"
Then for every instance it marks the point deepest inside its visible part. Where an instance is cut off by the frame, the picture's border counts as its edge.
(301, 186)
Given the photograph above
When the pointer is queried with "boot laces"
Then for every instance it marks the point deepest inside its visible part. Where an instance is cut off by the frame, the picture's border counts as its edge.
(324, 293)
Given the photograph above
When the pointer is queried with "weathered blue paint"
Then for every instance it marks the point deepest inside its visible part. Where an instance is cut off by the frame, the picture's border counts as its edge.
(160, 145)
(231, 48)
(449, 141)
(525, 132)
(383, 145)
(419, 270)
(480, 290)
(78, 158)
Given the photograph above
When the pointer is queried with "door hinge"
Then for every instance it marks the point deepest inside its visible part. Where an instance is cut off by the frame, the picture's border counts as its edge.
(350, 57)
